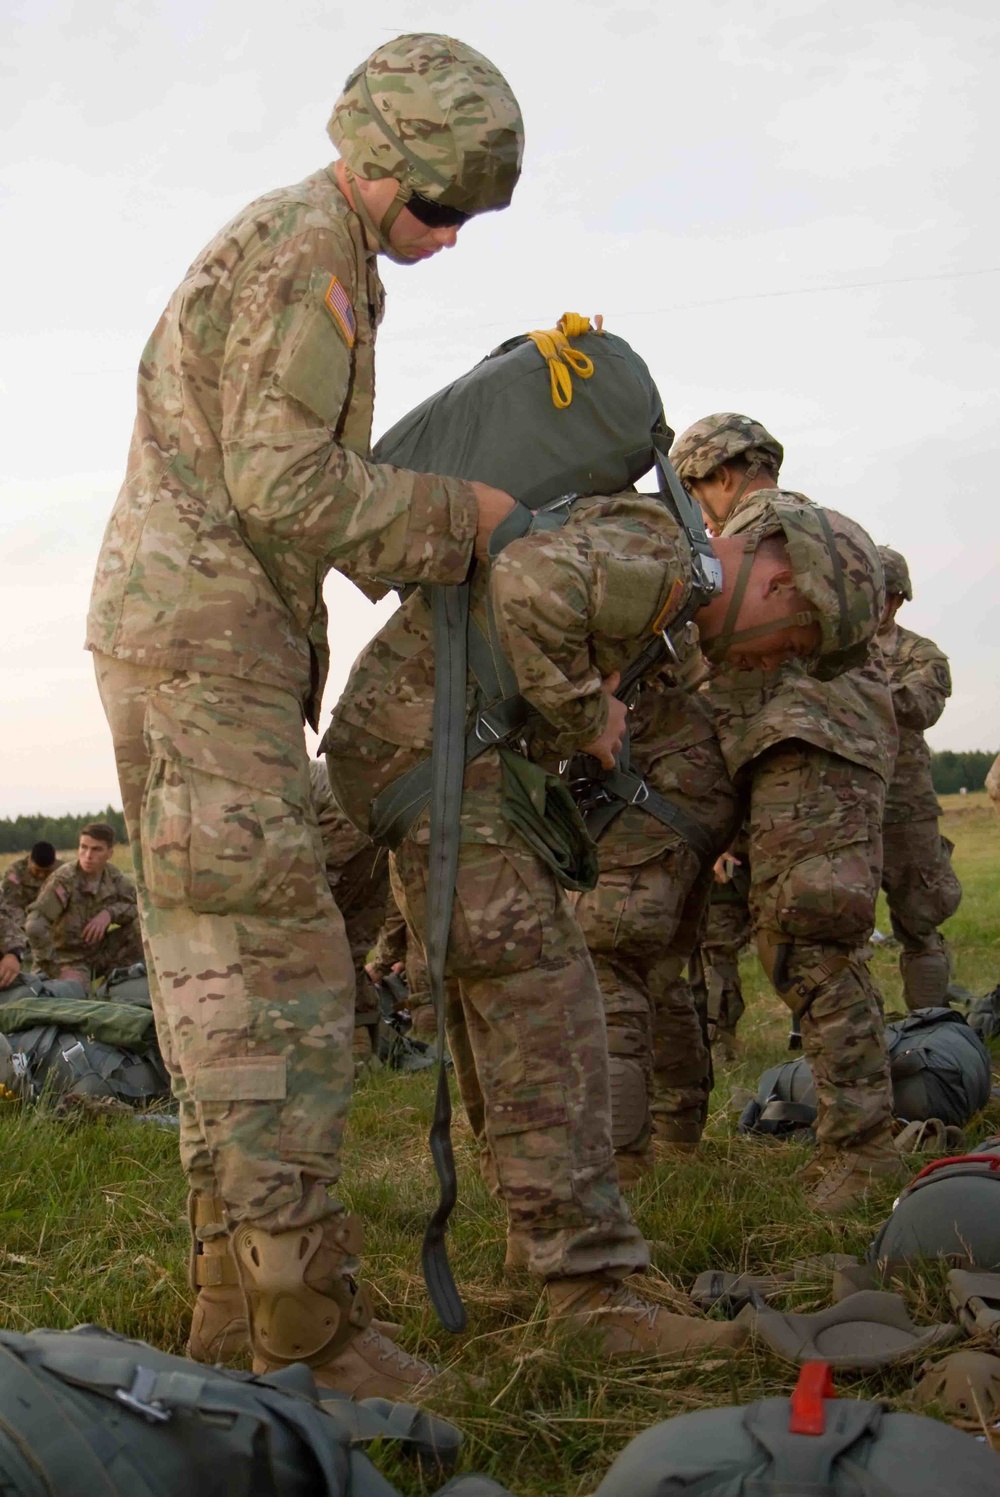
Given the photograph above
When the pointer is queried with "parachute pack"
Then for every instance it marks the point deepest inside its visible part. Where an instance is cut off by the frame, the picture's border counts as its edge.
(56, 1038)
(940, 1068)
(950, 1210)
(89, 1412)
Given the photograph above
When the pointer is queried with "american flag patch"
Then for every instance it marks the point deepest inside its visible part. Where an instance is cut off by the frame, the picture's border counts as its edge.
(338, 304)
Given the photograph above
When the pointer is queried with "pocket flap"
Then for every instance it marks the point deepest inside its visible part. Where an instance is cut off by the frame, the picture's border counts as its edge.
(260, 1078)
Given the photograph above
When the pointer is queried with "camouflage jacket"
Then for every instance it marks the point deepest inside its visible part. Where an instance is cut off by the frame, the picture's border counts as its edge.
(12, 937)
(993, 784)
(920, 682)
(65, 905)
(249, 472)
(570, 606)
(21, 887)
(755, 710)
(356, 871)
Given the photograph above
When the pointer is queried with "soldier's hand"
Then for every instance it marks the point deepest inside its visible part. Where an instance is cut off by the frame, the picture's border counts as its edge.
(493, 504)
(724, 867)
(609, 743)
(95, 929)
(10, 966)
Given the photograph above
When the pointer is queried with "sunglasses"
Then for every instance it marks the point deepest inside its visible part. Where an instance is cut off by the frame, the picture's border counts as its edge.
(436, 215)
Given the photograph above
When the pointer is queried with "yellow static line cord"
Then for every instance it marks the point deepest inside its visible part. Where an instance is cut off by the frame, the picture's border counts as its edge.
(562, 358)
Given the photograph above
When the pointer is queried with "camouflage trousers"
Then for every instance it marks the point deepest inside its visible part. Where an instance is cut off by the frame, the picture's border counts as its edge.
(527, 1037)
(120, 947)
(727, 931)
(816, 864)
(922, 891)
(250, 973)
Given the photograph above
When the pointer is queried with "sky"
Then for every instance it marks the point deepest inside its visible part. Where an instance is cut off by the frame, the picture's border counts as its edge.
(790, 211)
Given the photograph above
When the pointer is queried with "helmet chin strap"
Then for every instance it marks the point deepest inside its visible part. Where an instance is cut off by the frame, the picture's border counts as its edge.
(719, 521)
(380, 232)
(717, 648)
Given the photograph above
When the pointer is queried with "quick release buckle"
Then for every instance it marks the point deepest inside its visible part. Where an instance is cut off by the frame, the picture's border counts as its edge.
(139, 1398)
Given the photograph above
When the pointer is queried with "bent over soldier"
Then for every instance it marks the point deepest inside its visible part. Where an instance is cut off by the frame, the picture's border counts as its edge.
(249, 477)
(920, 885)
(815, 757)
(568, 610)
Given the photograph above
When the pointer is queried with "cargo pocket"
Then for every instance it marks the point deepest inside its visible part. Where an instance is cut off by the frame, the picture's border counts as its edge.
(830, 896)
(217, 847)
(502, 900)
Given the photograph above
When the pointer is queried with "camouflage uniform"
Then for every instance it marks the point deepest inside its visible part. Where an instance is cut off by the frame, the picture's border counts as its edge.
(727, 931)
(21, 887)
(12, 937)
(641, 924)
(358, 875)
(993, 784)
(68, 901)
(395, 943)
(570, 607)
(917, 876)
(815, 757)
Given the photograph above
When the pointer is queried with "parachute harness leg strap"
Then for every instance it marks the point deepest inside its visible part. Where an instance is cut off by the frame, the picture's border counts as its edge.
(450, 615)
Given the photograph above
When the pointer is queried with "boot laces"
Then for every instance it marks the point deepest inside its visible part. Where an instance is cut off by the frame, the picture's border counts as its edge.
(633, 1304)
(388, 1351)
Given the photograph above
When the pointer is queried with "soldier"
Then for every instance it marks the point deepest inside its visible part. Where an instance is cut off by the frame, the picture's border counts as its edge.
(12, 944)
(993, 784)
(357, 873)
(23, 880)
(815, 757)
(249, 477)
(569, 609)
(728, 929)
(85, 921)
(919, 882)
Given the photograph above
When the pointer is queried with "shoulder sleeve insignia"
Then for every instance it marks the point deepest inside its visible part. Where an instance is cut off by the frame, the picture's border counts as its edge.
(338, 304)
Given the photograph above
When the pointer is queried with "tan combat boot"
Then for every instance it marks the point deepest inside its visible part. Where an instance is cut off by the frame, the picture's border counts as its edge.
(850, 1174)
(219, 1319)
(303, 1307)
(634, 1327)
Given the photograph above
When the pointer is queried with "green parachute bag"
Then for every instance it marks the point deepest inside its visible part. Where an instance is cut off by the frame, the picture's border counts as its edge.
(87, 1413)
(809, 1445)
(950, 1210)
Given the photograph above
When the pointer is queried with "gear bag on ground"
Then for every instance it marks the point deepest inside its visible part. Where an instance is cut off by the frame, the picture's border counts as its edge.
(809, 1443)
(940, 1069)
(88, 1412)
(950, 1210)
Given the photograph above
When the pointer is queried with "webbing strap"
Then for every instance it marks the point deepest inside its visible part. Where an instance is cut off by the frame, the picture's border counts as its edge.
(808, 1463)
(632, 790)
(844, 628)
(450, 617)
(70, 1462)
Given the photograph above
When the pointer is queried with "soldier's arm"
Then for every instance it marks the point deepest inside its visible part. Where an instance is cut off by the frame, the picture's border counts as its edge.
(543, 591)
(285, 383)
(390, 944)
(40, 923)
(920, 693)
(123, 905)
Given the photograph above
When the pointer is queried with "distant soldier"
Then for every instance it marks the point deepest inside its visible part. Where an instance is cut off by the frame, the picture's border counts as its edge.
(23, 880)
(919, 881)
(815, 756)
(85, 921)
(728, 929)
(993, 784)
(12, 943)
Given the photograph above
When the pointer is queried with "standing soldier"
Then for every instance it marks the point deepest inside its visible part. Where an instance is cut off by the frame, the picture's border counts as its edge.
(85, 921)
(23, 880)
(250, 476)
(815, 756)
(919, 881)
(993, 784)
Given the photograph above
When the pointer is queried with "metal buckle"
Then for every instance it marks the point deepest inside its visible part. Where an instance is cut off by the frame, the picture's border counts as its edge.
(674, 657)
(481, 722)
(641, 794)
(139, 1397)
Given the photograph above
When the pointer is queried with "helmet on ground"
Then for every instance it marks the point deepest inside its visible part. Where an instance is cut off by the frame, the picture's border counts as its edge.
(949, 1210)
(897, 573)
(716, 439)
(811, 1442)
(438, 117)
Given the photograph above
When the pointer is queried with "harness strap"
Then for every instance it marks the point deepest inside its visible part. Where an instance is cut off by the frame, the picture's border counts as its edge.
(70, 1463)
(630, 789)
(450, 618)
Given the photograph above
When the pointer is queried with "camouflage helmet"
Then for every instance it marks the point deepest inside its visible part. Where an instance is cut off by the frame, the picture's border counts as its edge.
(716, 439)
(435, 115)
(897, 573)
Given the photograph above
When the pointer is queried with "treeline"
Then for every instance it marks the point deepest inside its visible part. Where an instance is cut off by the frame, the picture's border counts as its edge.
(952, 772)
(20, 833)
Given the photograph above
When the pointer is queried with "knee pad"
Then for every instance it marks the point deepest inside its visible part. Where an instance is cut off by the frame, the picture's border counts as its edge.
(925, 978)
(629, 1102)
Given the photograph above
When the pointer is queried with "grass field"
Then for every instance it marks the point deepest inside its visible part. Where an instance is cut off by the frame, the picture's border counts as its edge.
(91, 1229)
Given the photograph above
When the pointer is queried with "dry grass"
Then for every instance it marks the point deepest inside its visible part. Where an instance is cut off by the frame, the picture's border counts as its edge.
(91, 1228)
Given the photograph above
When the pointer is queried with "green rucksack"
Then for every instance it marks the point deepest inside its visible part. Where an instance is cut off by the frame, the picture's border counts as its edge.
(88, 1412)
(809, 1445)
(940, 1068)
(57, 1039)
